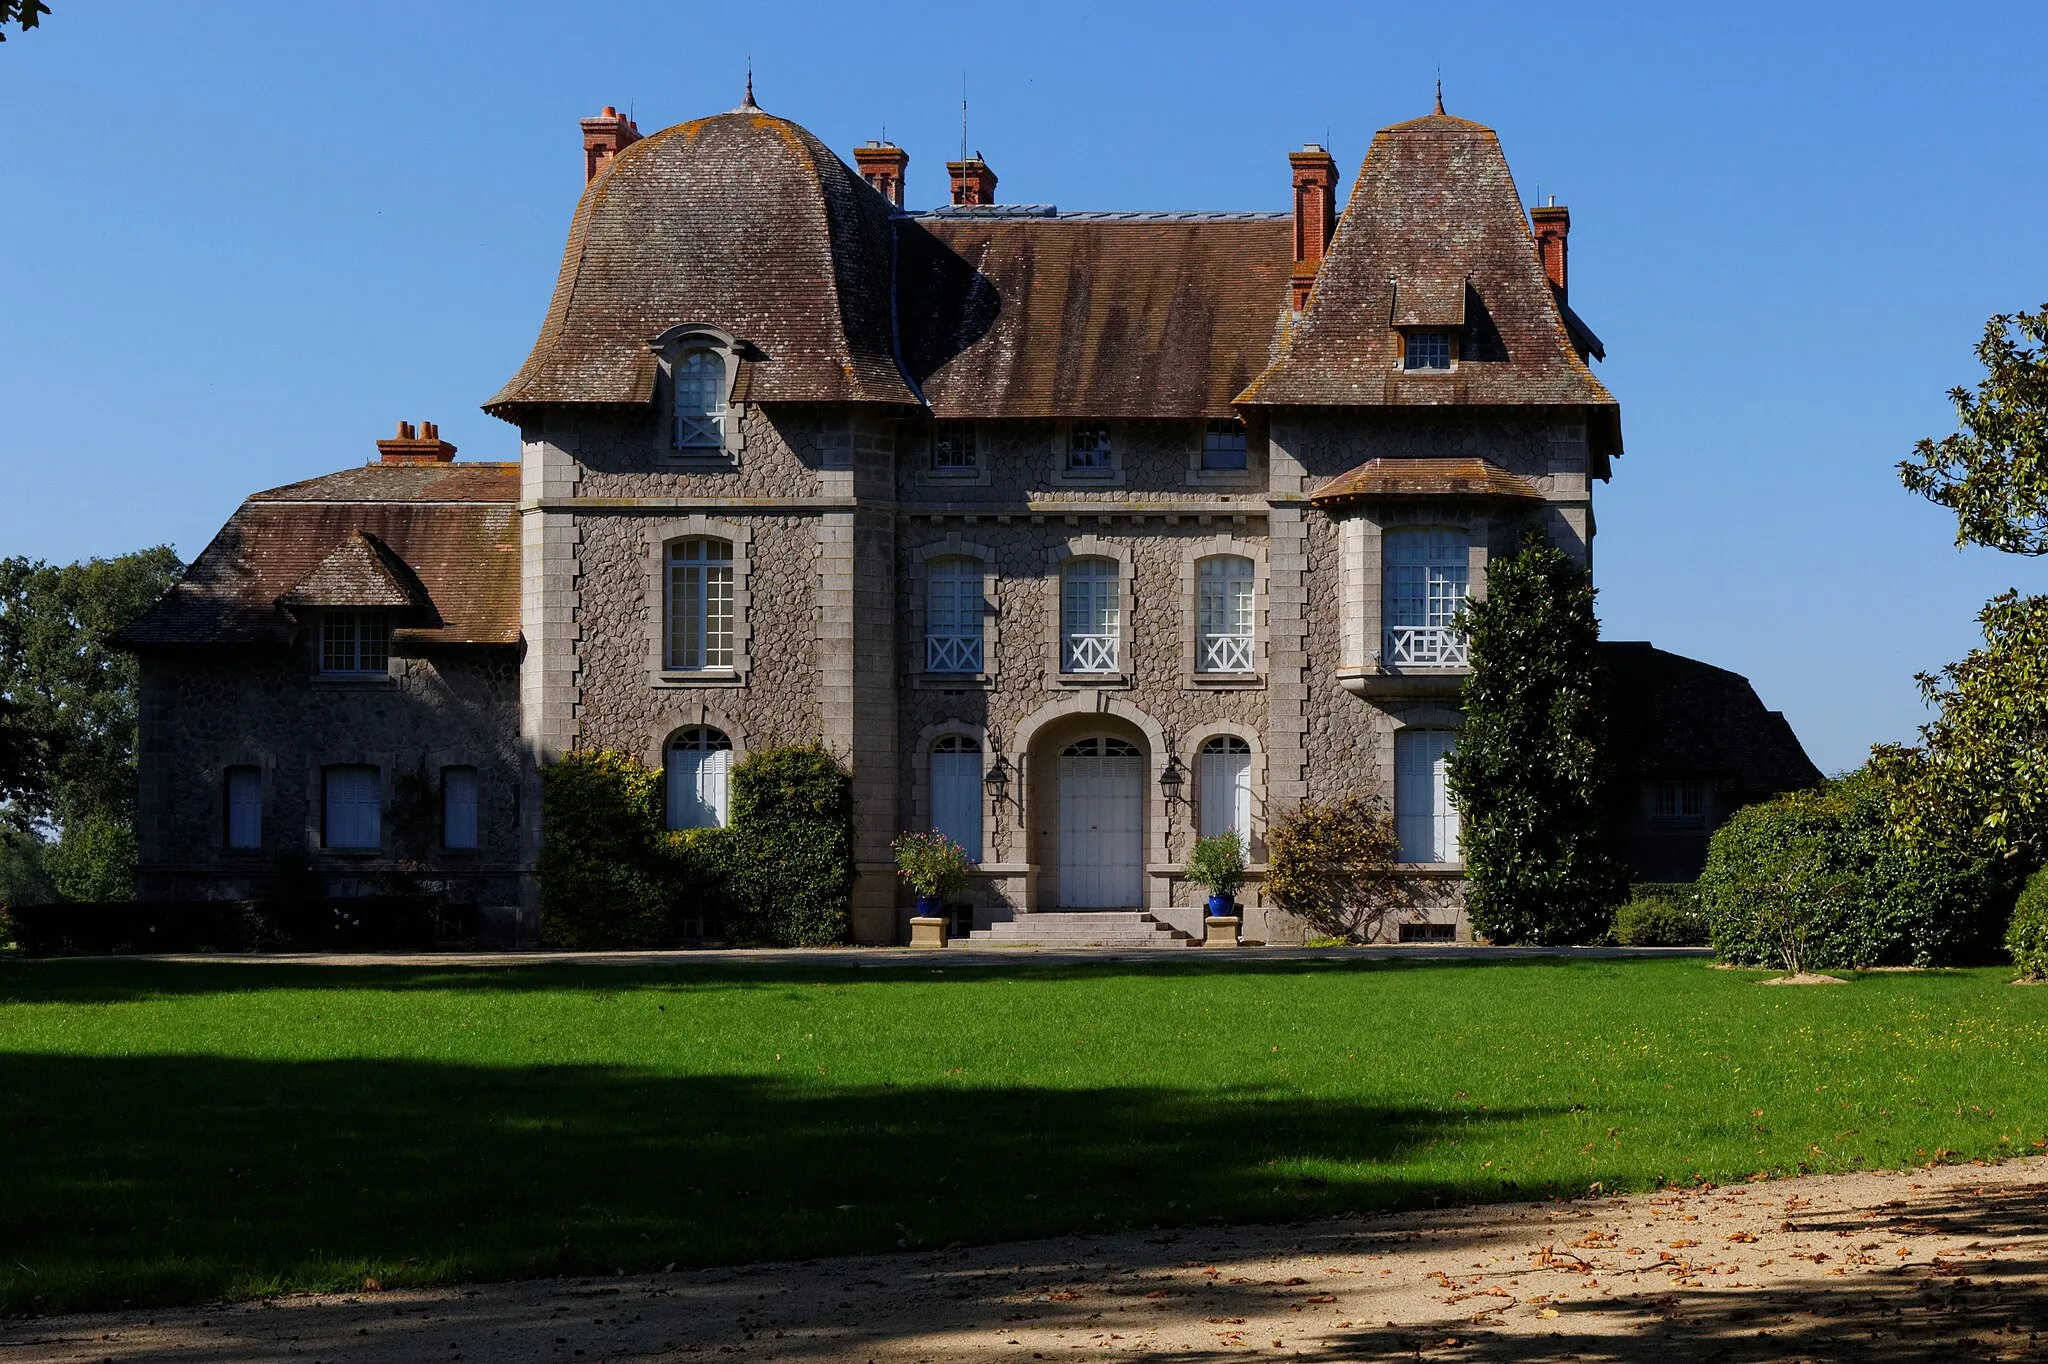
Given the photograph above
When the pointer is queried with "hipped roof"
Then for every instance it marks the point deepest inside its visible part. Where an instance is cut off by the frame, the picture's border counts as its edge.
(1381, 479)
(446, 537)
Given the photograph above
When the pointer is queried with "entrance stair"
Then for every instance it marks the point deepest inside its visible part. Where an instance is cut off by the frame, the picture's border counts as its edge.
(1071, 928)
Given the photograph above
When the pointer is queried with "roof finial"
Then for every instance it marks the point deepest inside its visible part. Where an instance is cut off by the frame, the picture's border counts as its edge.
(1439, 90)
(748, 103)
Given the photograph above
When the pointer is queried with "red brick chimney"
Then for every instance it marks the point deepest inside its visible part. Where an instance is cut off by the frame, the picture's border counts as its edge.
(882, 165)
(973, 181)
(1315, 216)
(1553, 225)
(409, 447)
(604, 137)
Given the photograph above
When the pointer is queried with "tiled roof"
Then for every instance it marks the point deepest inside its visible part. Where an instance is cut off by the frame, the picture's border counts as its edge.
(1435, 220)
(1089, 315)
(1384, 478)
(360, 571)
(742, 221)
(453, 528)
(1673, 716)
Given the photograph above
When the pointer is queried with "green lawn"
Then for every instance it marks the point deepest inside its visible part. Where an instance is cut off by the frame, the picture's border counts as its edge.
(180, 1132)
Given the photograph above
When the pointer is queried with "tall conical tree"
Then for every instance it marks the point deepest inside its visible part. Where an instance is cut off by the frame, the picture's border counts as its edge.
(1528, 771)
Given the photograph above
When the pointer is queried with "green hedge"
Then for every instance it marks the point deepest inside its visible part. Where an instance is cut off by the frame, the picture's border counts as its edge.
(1885, 902)
(1651, 920)
(2027, 937)
(780, 875)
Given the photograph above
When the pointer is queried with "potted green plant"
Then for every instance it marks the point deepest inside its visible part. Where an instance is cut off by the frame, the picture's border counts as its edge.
(934, 866)
(1218, 863)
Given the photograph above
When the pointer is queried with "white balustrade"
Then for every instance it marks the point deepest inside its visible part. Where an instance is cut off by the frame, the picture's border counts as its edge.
(1090, 654)
(1423, 646)
(1226, 654)
(952, 653)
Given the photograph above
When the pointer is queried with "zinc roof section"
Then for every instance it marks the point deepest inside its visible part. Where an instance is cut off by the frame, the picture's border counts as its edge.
(1089, 315)
(743, 221)
(1433, 205)
(461, 551)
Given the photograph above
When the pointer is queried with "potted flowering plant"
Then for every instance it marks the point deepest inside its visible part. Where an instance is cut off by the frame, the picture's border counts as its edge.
(1218, 863)
(934, 866)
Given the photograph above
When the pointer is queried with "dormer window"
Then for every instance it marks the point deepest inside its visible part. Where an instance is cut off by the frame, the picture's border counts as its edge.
(700, 400)
(1426, 350)
(953, 448)
(355, 643)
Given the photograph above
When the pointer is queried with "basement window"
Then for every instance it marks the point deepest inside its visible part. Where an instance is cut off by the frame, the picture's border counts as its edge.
(1429, 932)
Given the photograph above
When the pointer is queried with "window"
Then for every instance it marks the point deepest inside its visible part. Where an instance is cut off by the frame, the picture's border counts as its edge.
(1425, 817)
(953, 604)
(1680, 802)
(953, 448)
(956, 791)
(458, 807)
(700, 400)
(354, 809)
(699, 777)
(1090, 609)
(1224, 615)
(355, 642)
(242, 790)
(700, 605)
(1427, 577)
(1427, 932)
(1427, 350)
(1088, 448)
(1223, 445)
(1224, 770)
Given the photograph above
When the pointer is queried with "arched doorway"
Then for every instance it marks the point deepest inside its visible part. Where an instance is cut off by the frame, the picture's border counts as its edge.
(1102, 824)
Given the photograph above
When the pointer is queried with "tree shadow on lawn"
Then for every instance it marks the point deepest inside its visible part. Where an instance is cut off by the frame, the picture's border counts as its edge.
(108, 980)
(144, 1180)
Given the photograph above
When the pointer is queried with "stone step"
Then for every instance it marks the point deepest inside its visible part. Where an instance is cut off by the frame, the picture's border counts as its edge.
(1083, 928)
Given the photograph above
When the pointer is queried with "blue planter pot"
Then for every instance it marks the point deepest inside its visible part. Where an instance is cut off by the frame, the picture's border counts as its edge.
(930, 907)
(1221, 906)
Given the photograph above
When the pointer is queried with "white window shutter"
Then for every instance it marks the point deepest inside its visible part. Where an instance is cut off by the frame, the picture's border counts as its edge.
(956, 798)
(458, 807)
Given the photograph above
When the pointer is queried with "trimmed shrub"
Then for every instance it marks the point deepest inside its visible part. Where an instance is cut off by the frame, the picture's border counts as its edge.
(792, 808)
(1826, 867)
(604, 879)
(2027, 936)
(1332, 865)
(1654, 921)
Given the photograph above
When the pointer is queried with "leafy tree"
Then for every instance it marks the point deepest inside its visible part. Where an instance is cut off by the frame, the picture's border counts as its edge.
(95, 860)
(1993, 471)
(1528, 772)
(1332, 865)
(70, 692)
(27, 14)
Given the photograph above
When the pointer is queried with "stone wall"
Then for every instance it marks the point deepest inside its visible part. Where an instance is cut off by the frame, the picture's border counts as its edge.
(204, 712)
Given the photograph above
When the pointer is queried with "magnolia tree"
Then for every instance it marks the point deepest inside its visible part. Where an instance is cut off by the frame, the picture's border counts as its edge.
(1527, 772)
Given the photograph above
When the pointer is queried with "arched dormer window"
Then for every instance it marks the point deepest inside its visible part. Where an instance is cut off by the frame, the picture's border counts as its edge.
(700, 399)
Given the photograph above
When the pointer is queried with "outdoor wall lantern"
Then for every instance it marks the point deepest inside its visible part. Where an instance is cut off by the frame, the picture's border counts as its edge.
(1170, 779)
(996, 782)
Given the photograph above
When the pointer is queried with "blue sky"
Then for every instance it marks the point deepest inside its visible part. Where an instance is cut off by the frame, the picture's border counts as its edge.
(243, 239)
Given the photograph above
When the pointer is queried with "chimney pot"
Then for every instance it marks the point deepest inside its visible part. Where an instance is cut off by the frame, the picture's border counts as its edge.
(1552, 223)
(882, 164)
(973, 181)
(1315, 217)
(604, 137)
(421, 445)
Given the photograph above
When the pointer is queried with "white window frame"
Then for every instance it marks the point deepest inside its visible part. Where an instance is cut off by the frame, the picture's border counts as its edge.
(1226, 614)
(1226, 446)
(948, 457)
(1425, 814)
(955, 613)
(461, 795)
(705, 769)
(701, 605)
(1426, 579)
(355, 643)
(351, 808)
(1091, 615)
(1223, 788)
(956, 793)
(699, 379)
(1091, 449)
(242, 807)
(1679, 803)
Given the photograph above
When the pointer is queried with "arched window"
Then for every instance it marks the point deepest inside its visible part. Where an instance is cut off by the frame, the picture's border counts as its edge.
(700, 605)
(1224, 614)
(1224, 770)
(953, 609)
(700, 400)
(699, 779)
(956, 791)
(1427, 579)
(1090, 612)
(1425, 816)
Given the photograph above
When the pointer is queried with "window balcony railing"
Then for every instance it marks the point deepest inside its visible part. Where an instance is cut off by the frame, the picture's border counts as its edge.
(1225, 654)
(952, 653)
(1089, 654)
(1423, 646)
